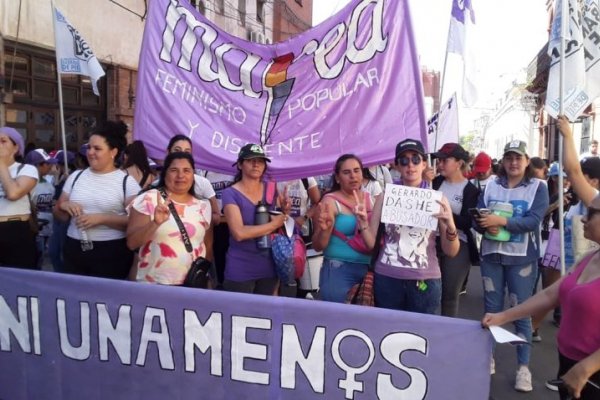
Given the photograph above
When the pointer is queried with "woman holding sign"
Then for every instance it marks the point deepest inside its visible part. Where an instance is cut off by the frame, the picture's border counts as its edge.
(510, 246)
(342, 231)
(407, 272)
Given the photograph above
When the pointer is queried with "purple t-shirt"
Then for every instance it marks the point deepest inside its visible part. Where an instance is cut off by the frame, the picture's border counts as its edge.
(408, 253)
(244, 261)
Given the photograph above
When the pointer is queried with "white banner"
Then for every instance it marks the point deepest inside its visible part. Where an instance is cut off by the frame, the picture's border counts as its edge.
(460, 36)
(442, 127)
(409, 206)
(582, 56)
(73, 55)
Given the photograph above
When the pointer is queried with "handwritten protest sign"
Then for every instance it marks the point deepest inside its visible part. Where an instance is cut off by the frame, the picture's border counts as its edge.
(403, 205)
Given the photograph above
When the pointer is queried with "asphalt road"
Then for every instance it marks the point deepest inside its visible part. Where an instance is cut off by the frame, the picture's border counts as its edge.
(544, 356)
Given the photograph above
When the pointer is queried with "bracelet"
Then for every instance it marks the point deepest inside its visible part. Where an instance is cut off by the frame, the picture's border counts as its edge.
(363, 228)
(451, 236)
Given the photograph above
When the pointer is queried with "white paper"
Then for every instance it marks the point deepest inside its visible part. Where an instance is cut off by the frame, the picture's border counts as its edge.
(501, 335)
(410, 206)
(289, 226)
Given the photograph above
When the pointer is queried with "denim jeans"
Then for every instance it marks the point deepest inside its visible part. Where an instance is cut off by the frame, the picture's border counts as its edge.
(408, 294)
(519, 280)
(337, 277)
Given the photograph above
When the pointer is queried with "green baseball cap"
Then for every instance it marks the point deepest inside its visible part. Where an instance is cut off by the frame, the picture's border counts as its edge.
(516, 146)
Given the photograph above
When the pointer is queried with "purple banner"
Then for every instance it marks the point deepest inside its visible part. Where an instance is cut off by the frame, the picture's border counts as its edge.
(349, 85)
(70, 337)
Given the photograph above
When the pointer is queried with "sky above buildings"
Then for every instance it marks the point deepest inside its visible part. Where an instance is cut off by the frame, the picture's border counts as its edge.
(509, 35)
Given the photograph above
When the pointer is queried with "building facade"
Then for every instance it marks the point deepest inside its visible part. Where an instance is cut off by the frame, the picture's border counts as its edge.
(28, 78)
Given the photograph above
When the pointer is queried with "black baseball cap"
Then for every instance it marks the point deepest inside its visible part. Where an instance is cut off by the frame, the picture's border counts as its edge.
(409, 145)
(251, 151)
(452, 150)
(591, 167)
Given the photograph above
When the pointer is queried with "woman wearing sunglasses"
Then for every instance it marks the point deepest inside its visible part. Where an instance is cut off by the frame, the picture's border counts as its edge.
(511, 242)
(407, 271)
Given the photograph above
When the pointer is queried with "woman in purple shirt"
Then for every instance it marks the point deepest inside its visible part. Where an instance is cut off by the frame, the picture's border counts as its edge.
(249, 269)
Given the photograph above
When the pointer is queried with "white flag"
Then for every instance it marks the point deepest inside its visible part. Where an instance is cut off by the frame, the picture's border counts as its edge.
(460, 35)
(73, 55)
(582, 66)
(444, 124)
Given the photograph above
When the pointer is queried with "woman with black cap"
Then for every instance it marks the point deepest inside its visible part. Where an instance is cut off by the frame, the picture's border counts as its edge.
(407, 272)
(17, 180)
(462, 195)
(248, 268)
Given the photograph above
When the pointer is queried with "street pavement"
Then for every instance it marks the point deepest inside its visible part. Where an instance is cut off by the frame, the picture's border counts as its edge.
(544, 356)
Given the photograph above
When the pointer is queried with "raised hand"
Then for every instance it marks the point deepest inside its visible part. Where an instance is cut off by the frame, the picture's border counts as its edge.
(161, 211)
(360, 210)
(325, 217)
(564, 126)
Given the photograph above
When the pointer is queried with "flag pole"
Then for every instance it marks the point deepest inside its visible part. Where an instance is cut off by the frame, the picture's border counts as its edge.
(60, 94)
(561, 84)
(442, 81)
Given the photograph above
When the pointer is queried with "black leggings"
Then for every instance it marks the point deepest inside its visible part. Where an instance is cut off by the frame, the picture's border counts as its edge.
(17, 245)
(108, 259)
(589, 392)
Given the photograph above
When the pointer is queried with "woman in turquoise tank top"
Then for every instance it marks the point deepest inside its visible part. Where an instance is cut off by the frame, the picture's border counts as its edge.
(342, 231)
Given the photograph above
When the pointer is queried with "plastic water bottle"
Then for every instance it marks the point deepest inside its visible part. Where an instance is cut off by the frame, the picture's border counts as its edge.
(86, 243)
(261, 217)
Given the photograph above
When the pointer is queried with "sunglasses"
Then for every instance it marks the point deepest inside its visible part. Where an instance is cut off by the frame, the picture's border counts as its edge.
(415, 160)
(591, 211)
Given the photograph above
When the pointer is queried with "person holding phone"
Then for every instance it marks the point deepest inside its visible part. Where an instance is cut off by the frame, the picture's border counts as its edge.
(512, 263)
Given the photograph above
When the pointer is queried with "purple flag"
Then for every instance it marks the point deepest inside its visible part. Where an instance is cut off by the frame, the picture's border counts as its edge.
(72, 337)
(351, 84)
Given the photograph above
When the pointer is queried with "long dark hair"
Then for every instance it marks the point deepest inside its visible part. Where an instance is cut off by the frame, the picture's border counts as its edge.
(367, 174)
(335, 185)
(177, 138)
(136, 155)
(178, 155)
(115, 134)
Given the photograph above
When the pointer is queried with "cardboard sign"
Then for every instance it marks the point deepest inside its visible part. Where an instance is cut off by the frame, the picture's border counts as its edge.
(409, 206)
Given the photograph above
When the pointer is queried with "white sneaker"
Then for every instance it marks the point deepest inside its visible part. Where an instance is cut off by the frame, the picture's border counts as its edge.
(523, 380)
(492, 366)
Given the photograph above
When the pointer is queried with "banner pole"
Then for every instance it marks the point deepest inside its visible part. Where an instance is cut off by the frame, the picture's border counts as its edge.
(60, 94)
(561, 84)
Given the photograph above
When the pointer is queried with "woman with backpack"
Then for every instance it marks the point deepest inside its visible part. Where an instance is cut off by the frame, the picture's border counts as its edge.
(94, 199)
(249, 266)
(342, 231)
